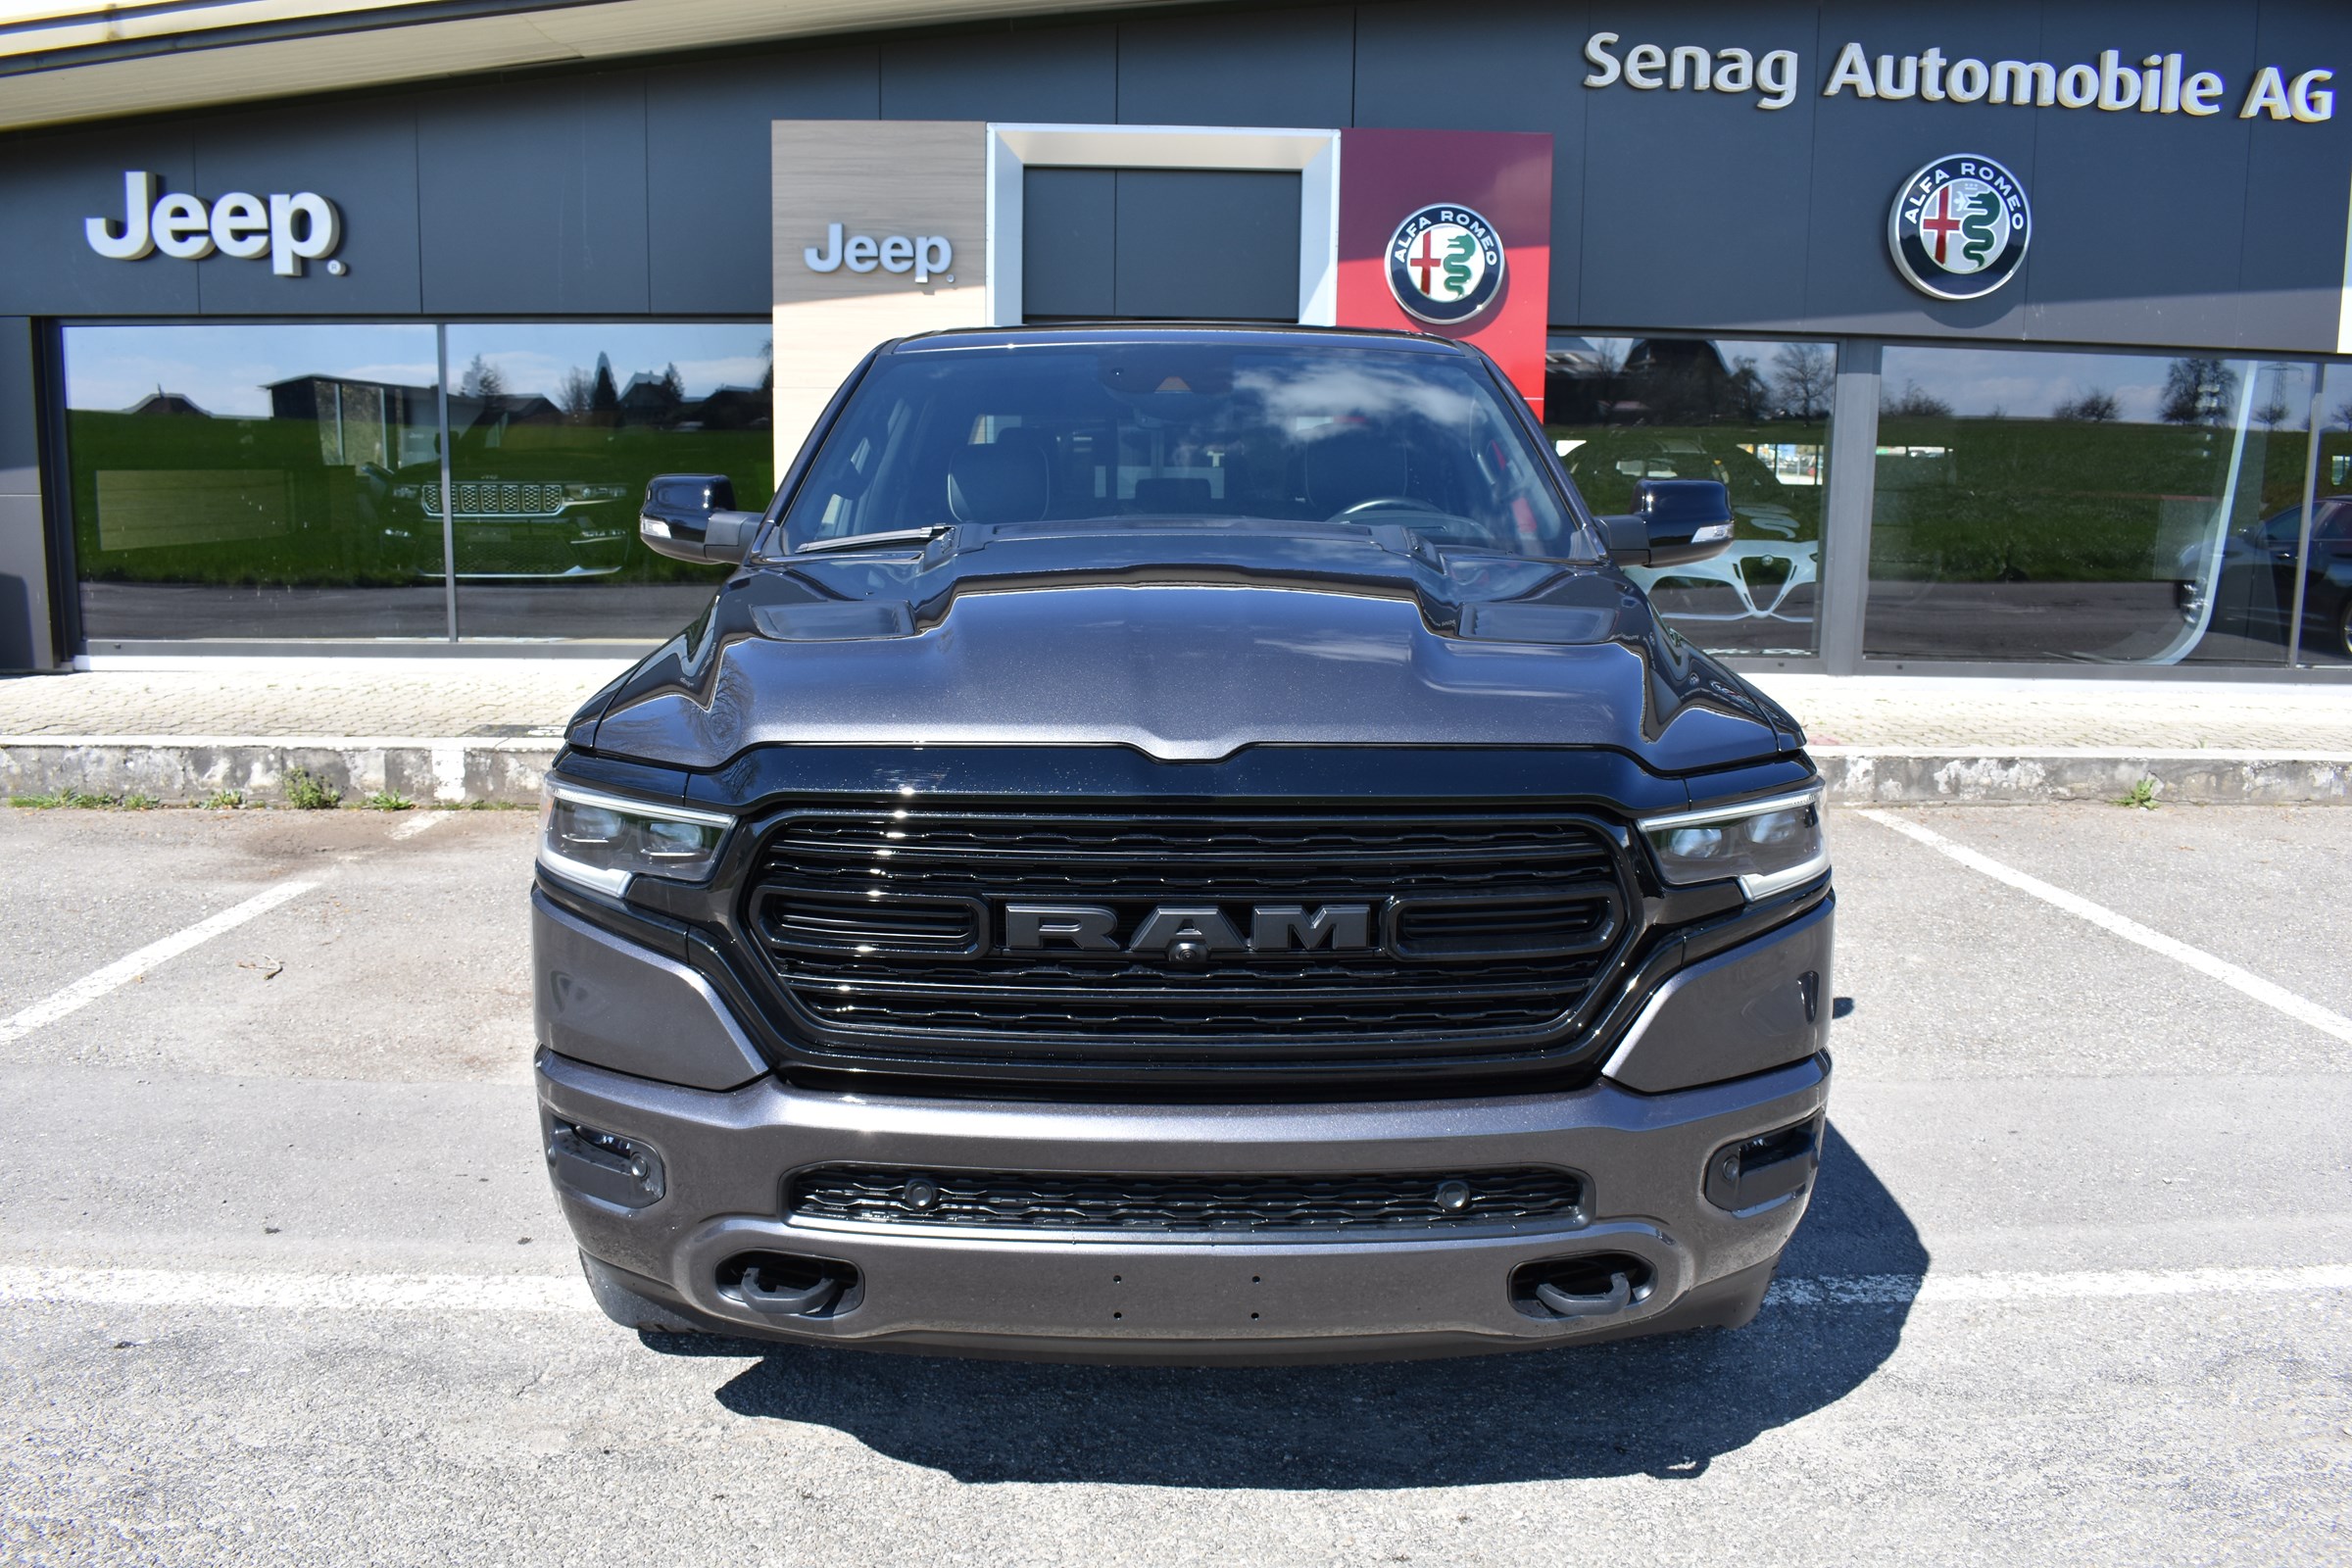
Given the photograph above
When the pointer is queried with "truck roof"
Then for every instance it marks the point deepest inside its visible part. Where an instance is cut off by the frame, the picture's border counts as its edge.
(1239, 334)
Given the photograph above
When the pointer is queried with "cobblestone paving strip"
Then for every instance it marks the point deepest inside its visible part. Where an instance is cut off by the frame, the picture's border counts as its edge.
(319, 697)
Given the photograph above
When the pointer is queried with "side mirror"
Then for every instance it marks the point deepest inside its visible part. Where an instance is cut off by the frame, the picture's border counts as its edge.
(1673, 522)
(692, 517)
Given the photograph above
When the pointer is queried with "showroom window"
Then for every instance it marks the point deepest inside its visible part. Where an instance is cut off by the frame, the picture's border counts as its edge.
(1753, 415)
(232, 482)
(2083, 507)
(555, 430)
(283, 482)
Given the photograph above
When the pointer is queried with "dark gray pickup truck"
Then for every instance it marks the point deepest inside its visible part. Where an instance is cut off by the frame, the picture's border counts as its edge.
(1181, 845)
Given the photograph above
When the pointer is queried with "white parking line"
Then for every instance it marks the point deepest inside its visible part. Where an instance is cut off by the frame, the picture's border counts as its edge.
(566, 1293)
(90, 987)
(294, 1292)
(1894, 1290)
(420, 823)
(2270, 995)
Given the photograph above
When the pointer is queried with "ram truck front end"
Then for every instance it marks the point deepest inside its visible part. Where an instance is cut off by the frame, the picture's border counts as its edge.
(1182, 845)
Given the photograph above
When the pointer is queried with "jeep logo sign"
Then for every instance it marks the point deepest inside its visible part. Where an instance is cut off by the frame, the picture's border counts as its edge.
(921, 254)
(289, 229)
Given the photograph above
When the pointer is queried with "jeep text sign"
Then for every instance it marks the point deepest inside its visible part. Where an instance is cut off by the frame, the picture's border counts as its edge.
(289, 229)
(921, 254)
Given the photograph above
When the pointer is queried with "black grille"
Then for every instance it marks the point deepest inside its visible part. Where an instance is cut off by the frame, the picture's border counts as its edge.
(889, 923)
(1026, 1201)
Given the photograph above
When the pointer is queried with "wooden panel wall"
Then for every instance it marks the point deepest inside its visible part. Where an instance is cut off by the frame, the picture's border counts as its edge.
(910, 178)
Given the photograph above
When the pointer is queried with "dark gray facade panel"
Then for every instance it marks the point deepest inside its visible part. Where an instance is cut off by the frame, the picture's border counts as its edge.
(19, 419)
(364, 160)
(533, 198)
(24, 585)
(1061, 75)
(1401, 49)
(2291, 255)
(1070, 228)
(1207, 244)
(1864, 149)
(620, 193)
(1236, 68)
(706, 167)
(49, 184)
(2118, 185)
(1693, 200)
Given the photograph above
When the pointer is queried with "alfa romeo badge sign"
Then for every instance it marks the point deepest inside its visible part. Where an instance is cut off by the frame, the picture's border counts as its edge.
(1445, 264)
(1959, 227)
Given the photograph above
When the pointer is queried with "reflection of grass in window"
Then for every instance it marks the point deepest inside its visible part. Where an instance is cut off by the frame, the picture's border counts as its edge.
(2055, 501)
(250, 502)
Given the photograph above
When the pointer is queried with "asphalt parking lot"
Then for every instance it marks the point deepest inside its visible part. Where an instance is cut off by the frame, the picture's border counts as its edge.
(284, 1282)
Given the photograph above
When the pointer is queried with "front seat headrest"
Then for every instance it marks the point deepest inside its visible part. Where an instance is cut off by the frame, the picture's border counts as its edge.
(1005, 481)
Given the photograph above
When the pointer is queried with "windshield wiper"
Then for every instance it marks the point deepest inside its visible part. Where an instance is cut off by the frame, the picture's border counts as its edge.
(859, 541)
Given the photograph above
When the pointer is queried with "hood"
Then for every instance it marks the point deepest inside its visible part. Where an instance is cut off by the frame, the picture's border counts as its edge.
(1186, 644)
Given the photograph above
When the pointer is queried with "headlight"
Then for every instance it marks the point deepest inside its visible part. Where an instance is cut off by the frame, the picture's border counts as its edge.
(594, 492)
(1769, 845)
(600, 840)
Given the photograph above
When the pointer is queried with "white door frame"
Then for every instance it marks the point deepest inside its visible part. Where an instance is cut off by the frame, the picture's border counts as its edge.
(1013, 150)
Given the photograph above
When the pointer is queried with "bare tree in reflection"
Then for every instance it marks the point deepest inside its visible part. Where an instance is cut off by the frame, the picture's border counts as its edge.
(2199, 390)
(2098, 405)
(1802, 374)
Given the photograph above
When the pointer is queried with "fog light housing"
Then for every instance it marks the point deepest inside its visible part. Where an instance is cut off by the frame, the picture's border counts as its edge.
(1766, 1168)
(625, 1171)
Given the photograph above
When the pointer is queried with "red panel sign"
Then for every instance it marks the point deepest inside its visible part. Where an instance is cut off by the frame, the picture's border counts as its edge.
(1450, 231)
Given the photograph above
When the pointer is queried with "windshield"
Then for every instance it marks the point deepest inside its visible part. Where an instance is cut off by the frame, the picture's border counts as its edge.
(1126, 432)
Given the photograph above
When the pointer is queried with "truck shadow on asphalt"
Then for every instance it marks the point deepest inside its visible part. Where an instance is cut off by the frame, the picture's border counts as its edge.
(1661, 1407)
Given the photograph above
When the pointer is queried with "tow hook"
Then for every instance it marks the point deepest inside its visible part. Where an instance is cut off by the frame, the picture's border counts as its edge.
(1590, 1285)
(1616, 1298)
(781, 1285)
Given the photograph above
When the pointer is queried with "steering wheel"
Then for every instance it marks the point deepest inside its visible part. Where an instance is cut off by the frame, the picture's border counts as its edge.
(1379, 503)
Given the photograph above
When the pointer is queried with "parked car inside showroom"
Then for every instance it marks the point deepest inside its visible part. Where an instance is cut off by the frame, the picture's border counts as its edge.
(2253, 579)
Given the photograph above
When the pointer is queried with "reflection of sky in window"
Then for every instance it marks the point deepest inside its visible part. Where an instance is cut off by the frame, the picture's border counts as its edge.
(227, 370)
(1355, 388)
(537, 356)
(2017, 383)
(2023, 384)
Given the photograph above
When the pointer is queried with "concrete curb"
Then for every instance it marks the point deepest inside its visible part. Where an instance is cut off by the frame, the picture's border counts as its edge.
(453, 770)
(435, 770)
(1915, 775)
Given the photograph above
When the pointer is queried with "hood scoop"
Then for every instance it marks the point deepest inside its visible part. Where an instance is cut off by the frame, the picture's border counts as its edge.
(835, 622)
(1539, 623)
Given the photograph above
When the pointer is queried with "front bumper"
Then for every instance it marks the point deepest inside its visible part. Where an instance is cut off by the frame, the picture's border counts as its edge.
(726, 1155)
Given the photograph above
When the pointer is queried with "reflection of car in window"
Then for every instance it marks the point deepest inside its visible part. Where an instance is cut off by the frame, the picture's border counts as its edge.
(2253, 582)
(1770, 578)
(520, 509)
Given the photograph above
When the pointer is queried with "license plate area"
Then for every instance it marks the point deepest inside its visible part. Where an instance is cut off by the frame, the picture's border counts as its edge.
(1224, 1297)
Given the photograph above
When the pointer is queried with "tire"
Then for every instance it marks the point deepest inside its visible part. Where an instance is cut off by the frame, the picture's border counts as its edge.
(629, 1310)
(2343, 628)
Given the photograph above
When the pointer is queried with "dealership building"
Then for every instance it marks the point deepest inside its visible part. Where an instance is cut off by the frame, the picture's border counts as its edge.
(2019, 332)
